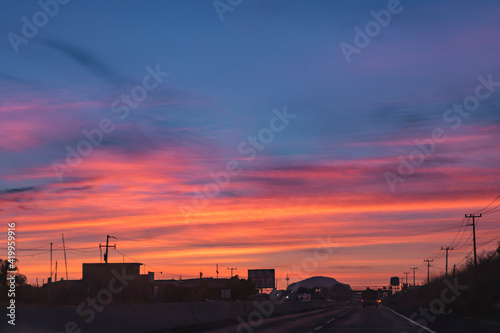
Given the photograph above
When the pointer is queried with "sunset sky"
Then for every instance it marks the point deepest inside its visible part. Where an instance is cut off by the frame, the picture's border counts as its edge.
(245, 136)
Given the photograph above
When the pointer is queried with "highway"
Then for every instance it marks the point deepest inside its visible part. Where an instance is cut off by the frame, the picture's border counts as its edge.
(352, 318)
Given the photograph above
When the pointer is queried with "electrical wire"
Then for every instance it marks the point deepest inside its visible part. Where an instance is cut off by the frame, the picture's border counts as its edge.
(464, 258)
(488, 241)
(155, 268)
(497, 209)
(461, 225)
(466, 243)
(479, 211)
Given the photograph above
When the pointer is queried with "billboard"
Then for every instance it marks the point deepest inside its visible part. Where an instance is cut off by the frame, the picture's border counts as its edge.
(262, 278)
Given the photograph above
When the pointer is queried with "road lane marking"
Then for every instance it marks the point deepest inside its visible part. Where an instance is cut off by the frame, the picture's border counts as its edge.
(329, 321)
(411, 321)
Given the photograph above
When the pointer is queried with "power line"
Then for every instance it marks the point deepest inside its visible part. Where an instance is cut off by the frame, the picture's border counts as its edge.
(461, 225)
(31, 255)
(466, 243)
(497, 209)
(440, 254)
(488, 241)
(462, 236)
(438, 267)
(155, 268)
(487, 205)
(470, 252)
(464, 258)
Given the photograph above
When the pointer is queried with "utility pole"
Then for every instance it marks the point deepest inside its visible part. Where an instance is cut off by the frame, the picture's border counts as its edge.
(217, 270)
(414, 268)
(65, 262)
(474, 233)
(232, 268)
(447, 249)
(406, 273)
(107, 246)
(50, 261)
(428, 265)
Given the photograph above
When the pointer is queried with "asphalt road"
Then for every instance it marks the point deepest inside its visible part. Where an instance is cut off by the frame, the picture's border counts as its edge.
(350, 319)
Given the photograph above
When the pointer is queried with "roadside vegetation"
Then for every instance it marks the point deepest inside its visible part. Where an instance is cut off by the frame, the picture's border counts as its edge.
(479, 290)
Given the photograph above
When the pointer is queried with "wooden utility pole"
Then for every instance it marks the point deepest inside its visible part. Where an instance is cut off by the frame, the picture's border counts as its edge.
(232, 268)
(65, 262)
(108, 246)
(474, 233)
(406, 273)
(414, 268)
(428, 265)
(50, 261)
(447, 249)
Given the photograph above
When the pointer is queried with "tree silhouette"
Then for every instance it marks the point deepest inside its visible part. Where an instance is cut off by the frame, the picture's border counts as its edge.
(5, 266)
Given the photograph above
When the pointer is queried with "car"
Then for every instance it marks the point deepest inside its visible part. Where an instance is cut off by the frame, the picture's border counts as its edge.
(370, 297)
